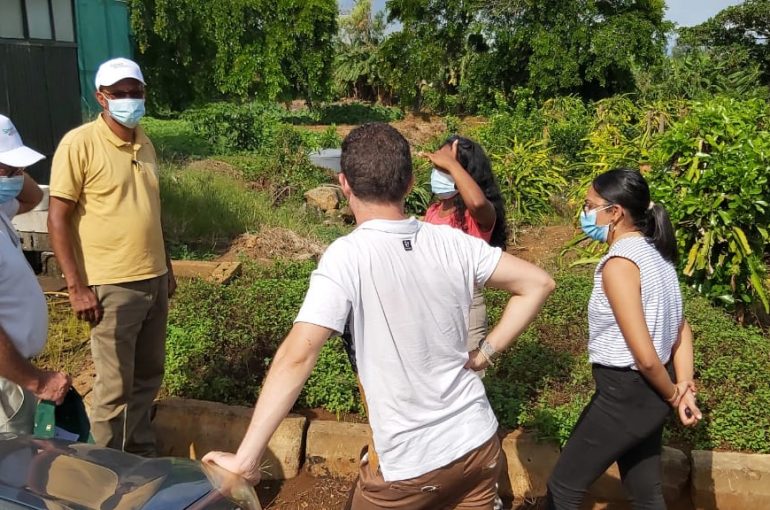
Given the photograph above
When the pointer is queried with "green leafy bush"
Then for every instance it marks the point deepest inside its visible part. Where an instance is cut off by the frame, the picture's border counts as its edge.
(221, 338)
(175, 139)
(530, 177)
(699, 73)
(732, 367)
(711, 172)
(533, 373)
(566, 124)
(231, 127)
(332, 384)
(354, 112)
(545, 380)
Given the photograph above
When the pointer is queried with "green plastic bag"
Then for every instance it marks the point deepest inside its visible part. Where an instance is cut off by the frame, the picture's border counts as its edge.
(66, 421)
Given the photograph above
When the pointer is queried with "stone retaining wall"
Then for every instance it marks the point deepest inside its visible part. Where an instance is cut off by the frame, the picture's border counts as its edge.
(719, 481)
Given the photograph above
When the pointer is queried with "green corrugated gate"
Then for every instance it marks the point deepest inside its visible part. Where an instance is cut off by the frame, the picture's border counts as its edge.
(103, 33)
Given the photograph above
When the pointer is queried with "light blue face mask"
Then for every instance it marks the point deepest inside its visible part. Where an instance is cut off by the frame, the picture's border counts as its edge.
(442, 184)
(10, 187)
(589, 226)
(127, 112)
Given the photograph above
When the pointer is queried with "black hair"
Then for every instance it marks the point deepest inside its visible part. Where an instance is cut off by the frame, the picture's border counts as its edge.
(377, 162)
(628, 189)
(476, 162)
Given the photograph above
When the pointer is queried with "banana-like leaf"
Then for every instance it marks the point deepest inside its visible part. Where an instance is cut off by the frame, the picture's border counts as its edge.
(585, 261)
(756, 282)
(691, 258)
(743, 242)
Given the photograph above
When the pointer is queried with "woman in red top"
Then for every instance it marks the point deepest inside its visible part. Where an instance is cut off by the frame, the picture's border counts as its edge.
(469, 199)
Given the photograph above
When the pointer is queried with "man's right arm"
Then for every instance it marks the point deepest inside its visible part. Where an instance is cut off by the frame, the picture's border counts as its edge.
(44, 384)
(292, 365)
(82, 298)
(529, 286)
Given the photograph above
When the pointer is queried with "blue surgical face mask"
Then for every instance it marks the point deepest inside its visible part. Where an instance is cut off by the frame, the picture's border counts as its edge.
(127, 112)
(442, 184)
(589, 226)
(10, 187)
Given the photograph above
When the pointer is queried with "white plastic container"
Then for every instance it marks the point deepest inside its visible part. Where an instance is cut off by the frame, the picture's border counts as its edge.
(36, 220)
(327, 158)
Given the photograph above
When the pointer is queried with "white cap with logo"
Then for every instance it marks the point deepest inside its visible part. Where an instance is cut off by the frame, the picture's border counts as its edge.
(117, 69)
(12, 150)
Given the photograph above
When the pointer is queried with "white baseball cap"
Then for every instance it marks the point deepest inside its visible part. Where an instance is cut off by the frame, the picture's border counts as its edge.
(117, 69)
(12, 151)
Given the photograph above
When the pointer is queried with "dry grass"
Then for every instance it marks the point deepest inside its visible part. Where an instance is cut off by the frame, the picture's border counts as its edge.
(67, 348)
(274, 243)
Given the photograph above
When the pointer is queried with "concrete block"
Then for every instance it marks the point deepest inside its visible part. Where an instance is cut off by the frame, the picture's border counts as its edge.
(226, 272)
(730, 481)
(192, 428)
(529, 463)
(217, 272)
(334, 448)
(676, 473)
(32, 221)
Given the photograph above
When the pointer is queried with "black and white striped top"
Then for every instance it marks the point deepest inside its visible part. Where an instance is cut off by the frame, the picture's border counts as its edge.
(661, 302)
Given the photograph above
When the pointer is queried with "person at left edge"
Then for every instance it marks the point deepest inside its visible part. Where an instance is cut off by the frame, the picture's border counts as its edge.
(105, 226)
(23, 310)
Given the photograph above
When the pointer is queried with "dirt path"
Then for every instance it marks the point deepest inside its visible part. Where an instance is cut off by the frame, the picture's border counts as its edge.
(306, 492)
(542, 245)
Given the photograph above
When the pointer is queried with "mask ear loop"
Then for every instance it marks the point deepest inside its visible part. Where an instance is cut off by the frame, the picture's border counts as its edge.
(612, 224)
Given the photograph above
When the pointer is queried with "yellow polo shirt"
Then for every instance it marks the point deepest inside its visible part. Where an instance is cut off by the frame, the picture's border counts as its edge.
(116, 222)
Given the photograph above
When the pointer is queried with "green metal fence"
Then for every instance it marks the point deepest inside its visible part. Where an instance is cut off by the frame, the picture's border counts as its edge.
(103, 32)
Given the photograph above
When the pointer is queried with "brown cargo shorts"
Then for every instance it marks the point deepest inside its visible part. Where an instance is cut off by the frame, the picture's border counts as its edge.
(466, 483)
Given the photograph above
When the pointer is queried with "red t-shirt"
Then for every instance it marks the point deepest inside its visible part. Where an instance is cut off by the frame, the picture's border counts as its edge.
(432, 215)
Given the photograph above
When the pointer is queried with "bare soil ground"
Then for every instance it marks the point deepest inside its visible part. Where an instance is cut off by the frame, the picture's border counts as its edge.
(304, 492)
(416, 128)
(541, 245)
(271, 243)
(312, 493)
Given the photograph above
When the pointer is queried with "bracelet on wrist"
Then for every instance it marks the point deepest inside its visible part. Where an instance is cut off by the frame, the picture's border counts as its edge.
(489, 352)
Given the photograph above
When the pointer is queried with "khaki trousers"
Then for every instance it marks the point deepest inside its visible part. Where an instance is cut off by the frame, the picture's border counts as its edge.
(128, 348)
(477, 320)
(468, 483)
(477, 323)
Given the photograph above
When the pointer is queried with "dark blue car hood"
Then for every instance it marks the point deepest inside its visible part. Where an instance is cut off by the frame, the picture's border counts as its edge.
(51, 473)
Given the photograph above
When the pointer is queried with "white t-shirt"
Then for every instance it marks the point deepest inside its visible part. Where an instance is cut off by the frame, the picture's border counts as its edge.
(408, 286)
(23, 310)
(661, 302)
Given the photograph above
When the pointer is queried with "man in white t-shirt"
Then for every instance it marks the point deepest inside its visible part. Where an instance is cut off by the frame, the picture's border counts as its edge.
(23, 310)
(406, 288)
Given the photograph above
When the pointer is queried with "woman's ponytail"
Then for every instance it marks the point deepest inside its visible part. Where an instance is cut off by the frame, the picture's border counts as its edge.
(659, 229)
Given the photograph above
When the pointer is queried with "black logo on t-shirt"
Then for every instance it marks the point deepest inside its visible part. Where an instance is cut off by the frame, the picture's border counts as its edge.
(407, 245)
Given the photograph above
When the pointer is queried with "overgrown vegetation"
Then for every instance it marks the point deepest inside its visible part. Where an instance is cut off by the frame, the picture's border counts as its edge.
(221, 340)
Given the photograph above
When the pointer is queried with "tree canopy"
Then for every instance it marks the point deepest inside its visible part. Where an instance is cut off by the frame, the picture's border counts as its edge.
(203, 49)
(553, 47)
(744, 26)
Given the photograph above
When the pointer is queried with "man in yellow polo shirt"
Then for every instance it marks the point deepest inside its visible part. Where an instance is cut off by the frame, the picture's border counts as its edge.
(105, 227)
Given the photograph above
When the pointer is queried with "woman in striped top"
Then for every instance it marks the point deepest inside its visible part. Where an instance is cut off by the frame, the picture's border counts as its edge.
(640, 348)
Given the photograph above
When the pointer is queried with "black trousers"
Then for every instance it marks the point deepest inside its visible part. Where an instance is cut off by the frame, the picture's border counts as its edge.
(624, 423)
